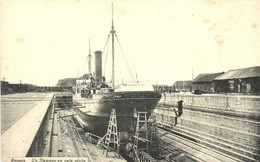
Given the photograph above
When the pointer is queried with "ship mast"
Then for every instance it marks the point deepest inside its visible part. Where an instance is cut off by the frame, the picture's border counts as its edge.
(112, 31)
(89, 58)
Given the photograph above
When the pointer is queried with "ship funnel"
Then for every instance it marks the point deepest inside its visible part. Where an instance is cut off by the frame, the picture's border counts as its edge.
(98, 65)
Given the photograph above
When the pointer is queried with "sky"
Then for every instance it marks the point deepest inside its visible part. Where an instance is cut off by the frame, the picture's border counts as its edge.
(163, 41)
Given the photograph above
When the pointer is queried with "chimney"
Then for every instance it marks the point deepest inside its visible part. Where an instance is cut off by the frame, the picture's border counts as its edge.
(98, 65)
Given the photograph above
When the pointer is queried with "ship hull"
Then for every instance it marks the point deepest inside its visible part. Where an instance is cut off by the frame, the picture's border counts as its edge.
(95, 114)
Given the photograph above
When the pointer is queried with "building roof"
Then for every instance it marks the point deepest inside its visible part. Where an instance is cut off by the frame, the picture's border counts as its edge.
(209, 77)
(240, 73)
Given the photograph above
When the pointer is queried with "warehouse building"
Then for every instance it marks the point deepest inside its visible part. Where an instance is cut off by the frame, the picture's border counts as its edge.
(205, 82)
(244, 81)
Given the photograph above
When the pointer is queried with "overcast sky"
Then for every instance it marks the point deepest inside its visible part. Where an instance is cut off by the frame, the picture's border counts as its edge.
(46, 40)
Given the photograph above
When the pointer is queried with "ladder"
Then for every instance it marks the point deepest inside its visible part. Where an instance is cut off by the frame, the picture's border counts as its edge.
(111, 137)
(141, 147)
(141, 136)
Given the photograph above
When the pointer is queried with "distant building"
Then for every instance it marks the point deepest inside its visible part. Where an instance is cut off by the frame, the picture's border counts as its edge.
(204, 82)
(182, 86)
(21, 88)
(246, 81)
(4, 87)
(162, 88)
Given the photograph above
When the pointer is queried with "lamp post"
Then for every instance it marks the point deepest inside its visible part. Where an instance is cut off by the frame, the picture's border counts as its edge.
(20, 86)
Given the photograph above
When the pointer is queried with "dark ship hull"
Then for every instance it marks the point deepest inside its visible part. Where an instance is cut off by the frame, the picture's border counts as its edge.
(94, 117)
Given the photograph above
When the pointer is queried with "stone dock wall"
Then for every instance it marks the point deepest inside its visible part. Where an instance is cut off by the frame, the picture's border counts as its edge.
(230, 124)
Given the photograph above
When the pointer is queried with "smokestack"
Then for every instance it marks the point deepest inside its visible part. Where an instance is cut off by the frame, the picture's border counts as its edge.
(98, 65)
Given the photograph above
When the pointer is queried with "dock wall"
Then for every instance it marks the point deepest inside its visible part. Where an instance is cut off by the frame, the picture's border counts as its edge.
(26, 137)
(244, 106)
(230, 124)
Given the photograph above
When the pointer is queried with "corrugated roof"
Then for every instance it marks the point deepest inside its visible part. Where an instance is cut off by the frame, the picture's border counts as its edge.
(209, 77)
(240, 73)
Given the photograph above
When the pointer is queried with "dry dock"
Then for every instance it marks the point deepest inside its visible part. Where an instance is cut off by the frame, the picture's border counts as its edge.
(201, 128)
(227, 124)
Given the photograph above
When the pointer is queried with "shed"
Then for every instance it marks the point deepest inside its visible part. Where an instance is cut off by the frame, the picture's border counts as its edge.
(204, 82)
(246, 80)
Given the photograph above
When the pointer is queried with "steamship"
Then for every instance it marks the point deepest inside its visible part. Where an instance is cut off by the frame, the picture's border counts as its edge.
(98, 98)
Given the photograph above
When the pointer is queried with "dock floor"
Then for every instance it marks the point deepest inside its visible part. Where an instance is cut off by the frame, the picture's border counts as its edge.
(74, 144)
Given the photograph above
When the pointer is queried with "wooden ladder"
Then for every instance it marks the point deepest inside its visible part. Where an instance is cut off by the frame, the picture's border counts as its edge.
(141, 136)
(111, 137)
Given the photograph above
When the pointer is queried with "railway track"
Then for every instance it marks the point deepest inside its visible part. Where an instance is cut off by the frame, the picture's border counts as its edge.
(178, 145)
(233, 136)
